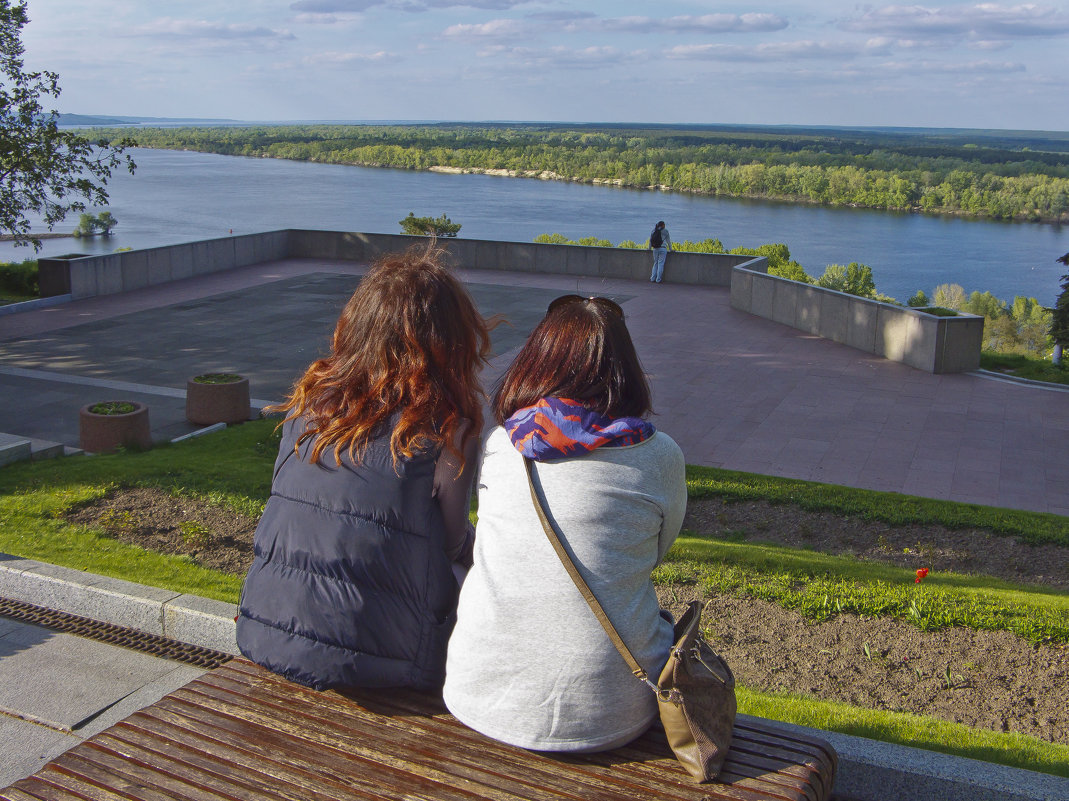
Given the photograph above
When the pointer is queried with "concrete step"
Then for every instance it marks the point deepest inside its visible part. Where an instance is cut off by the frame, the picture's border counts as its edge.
(14, 449)
(46, 449)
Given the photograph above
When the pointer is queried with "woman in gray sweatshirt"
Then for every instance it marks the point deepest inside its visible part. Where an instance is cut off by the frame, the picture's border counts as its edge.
(528, 663)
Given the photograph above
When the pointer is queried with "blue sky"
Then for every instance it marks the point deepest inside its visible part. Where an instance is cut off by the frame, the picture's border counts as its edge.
(810, 62)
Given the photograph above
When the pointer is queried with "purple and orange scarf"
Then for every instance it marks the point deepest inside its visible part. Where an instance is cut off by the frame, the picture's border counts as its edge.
(556, 428)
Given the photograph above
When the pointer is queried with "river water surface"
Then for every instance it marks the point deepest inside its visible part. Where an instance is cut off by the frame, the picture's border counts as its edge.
(180, 196)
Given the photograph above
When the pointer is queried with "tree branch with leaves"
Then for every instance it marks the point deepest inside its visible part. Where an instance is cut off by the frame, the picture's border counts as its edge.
(44, 172)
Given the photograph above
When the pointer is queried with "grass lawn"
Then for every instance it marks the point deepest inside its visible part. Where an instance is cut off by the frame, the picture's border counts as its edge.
(1026, 367)
(233, 469)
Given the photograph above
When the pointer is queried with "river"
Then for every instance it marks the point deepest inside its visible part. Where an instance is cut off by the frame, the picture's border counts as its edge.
(180, 196)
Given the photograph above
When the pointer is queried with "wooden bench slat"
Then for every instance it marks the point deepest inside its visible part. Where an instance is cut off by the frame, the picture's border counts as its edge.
(102, 766)
(542, 780)
(241, 733)
(355, 773)
(682, 786)
(86, 779)
(262, 758)
(206, 772)
(15, 794)
(667, 776)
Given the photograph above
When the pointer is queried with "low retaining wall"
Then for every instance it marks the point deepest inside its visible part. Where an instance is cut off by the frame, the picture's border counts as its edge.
(90, 276)
(135, 269)
(925, 341)
(707, 269)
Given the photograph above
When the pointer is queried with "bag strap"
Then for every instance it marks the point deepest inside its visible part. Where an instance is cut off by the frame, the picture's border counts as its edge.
(580, 583)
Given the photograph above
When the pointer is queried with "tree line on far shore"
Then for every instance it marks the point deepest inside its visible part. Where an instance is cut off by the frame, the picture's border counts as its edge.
(951, 174)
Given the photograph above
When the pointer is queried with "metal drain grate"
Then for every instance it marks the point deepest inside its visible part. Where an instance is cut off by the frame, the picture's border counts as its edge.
(154, 644)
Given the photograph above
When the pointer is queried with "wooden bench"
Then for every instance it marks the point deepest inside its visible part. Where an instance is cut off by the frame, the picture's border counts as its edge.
(241, 732)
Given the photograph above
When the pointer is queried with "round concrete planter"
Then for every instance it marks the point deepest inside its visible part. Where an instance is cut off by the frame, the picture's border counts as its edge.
(99, 433)
(207, 404)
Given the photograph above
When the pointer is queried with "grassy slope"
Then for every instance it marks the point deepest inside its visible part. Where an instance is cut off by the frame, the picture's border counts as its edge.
(233, 468)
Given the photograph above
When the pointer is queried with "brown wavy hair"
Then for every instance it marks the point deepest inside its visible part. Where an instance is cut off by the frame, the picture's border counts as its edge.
(409, 342)
(581, 350)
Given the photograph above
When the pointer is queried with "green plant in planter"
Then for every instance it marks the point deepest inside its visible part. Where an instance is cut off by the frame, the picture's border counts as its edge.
(112, 407)
(217, 378)
(939, 311)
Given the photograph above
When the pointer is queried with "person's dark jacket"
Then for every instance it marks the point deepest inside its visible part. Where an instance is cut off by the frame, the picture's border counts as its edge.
(350, 583)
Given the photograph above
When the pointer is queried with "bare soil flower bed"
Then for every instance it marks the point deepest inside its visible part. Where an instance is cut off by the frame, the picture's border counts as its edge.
(990, 680)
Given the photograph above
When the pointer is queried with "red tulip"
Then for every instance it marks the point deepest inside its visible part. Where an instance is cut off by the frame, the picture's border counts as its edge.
(920, 575)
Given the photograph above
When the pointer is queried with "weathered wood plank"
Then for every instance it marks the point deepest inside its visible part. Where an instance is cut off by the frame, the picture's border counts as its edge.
(241, 733)
(263, 761)
(457, 741)
(345, 729)
(343, 774)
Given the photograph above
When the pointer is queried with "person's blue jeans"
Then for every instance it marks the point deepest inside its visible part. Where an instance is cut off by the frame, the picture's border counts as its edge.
(659, 255)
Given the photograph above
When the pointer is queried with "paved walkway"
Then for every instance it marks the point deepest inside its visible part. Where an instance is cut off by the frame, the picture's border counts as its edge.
(58, 689)
(734, 390)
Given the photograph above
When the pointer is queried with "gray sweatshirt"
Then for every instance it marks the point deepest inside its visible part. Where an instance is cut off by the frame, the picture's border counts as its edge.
(528, 663)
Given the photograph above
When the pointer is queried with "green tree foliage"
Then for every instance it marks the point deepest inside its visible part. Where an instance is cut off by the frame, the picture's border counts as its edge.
(19, 278)
(779, 261)
(854, 279)
(984, 304)
(1022, 327)
(554, 239)
(1059, 324)
(89, 224)
(704, 246)
(427, 226)
(937, 173)
(918, 300)
(949, 296)
(43, 171)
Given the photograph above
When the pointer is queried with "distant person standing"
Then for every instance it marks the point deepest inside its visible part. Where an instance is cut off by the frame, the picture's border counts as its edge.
(661, 243)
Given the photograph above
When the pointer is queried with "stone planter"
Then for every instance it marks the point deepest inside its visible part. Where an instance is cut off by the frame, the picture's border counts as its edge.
(54, 274)
(99, 433)
(217, 401)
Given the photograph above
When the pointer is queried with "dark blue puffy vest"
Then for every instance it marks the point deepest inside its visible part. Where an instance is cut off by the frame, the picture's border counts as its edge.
(350, 584)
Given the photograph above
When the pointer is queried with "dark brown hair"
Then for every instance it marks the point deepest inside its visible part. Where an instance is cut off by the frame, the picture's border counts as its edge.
(410, 341)
(581, 350)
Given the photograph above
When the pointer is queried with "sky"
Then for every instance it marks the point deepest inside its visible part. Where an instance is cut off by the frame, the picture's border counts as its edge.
(809, 62)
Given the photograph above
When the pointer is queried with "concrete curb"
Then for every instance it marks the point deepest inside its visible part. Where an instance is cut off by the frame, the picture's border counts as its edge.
(1012, 379)
(187, 618)
(38, 303)
(869, 770)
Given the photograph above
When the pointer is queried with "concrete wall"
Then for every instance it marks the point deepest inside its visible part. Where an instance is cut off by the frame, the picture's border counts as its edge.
(924, 341)
(134, 269)
(479, 254)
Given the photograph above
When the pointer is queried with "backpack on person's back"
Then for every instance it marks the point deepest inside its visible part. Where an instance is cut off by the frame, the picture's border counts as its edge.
(655, 238)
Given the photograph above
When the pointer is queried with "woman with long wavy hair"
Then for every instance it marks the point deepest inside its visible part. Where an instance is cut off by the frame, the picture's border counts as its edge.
(353, 581)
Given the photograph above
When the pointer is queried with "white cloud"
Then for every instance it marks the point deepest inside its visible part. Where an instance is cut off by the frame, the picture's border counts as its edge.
(315, 19)
(708, 23)
(199, 29)
(359, 6)
(777, 51)
(494, 29)
(985, 21)
(336, 58)
(560, 57)
(971, 68)
(984, 44)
